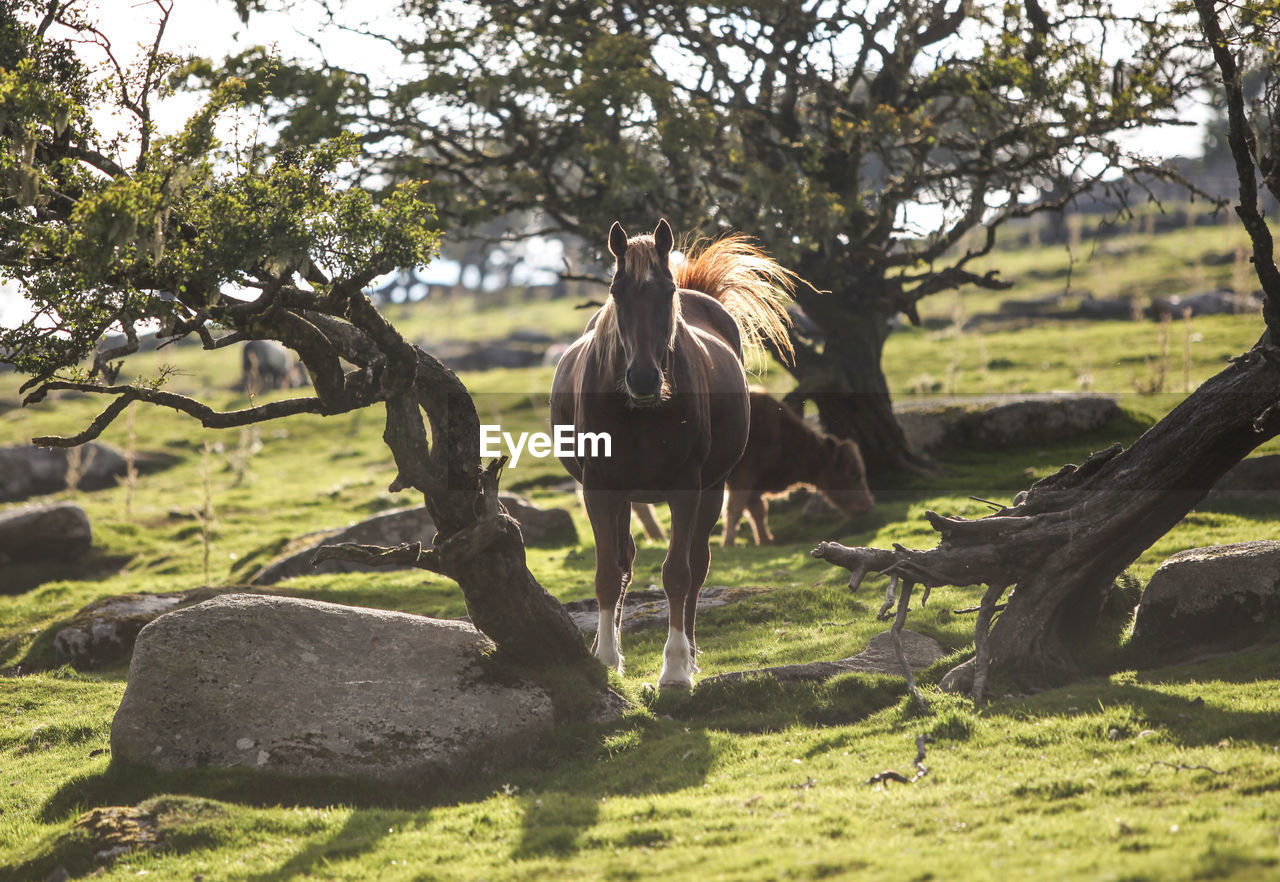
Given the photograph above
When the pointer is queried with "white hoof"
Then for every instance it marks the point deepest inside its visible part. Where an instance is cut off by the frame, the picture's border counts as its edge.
(607, 643)
(677, 662)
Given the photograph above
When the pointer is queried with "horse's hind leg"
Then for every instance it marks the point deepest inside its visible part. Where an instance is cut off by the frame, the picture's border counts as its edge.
(610, 516)
(700, 559)
(758, 508)
(734, 506)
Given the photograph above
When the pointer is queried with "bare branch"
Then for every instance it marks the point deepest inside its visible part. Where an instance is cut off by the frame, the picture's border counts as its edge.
(209, 418)
(407, 554)
(1244, 148)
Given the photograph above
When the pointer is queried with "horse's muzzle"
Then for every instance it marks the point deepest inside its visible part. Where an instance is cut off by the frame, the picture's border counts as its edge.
(644, 386)
(652, 400)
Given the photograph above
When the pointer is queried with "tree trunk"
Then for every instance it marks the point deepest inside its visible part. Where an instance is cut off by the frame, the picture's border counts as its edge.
(505, 601)
(477, 544)
(847, 383)
(1063, 542)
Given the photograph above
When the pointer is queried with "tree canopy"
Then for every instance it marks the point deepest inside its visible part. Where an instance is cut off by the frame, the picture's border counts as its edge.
(191, 236)
(863, 144)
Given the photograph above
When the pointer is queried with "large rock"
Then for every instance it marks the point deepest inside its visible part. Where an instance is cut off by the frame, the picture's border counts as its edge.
(27, 471)
(1251, 480)
(489, 354)
(1208, 598)
(1219, 302)
(104, 631)
(1003, 424)
(55, 533)
(553, 526)
(389, 528)
(306, 688)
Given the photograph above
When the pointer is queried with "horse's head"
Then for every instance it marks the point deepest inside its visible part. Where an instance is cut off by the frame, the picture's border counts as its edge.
(842, 477)
(645, 311)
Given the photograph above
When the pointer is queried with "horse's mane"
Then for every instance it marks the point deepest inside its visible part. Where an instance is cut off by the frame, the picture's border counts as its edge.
(751, 285)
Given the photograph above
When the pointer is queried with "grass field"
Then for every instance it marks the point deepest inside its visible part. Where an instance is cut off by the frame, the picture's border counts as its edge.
(1127, 775)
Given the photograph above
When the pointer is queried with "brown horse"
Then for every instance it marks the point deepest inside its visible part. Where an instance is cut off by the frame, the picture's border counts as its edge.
(659, 370)
(784, 452)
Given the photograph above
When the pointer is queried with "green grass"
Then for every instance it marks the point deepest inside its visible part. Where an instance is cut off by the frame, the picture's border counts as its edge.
(1128, 775)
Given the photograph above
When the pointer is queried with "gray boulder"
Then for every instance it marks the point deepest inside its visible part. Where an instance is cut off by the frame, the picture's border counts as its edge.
(551, 526)
(104, 631)
(1001, 424)
(1208, 598)
(389, 528)
(27, 470)
(306, 688)
(1252, 480)
(489, 354)
(1220, 302)
(56, 533)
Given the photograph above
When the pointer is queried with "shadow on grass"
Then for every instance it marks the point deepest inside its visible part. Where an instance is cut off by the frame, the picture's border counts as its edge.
(642, 757)
(361, 833)
(559, 791)
(184, 809)
(123, 783)
(1186, 711)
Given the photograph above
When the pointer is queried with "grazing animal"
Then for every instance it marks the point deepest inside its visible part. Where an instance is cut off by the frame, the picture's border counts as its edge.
(659, 369)
(784, 452)
(266, 366)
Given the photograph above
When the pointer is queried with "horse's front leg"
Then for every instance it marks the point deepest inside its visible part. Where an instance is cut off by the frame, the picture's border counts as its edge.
(709, 504)
(677, 579)
(610, 516)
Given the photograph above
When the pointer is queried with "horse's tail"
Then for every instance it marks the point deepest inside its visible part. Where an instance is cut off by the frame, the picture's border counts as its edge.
(751, 285)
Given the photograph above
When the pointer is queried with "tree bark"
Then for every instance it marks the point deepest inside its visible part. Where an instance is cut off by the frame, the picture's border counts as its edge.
(1063, 542)
(846, 381)
(477, 544)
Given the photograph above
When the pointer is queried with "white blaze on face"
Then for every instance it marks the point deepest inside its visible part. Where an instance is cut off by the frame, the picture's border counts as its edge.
(607, 642)
(677, 662)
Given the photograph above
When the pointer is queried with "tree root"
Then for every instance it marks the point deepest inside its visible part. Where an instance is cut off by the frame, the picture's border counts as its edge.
(921, 768)
(906, 567)
(1178, 767)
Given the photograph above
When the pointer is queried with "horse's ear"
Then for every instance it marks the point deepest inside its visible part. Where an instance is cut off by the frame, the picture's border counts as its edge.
(663, 238)
(617, 240)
